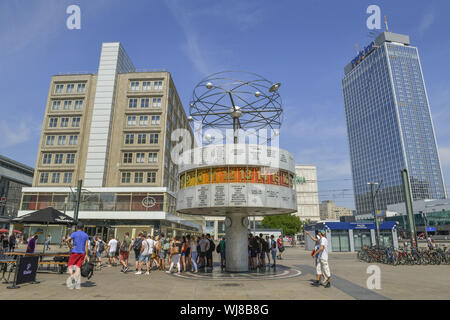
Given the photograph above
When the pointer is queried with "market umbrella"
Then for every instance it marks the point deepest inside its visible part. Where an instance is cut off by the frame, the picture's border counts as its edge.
(45, 216)
(4, 230)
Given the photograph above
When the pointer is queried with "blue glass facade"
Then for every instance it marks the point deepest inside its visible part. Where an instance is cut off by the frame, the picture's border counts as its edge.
(390, 128)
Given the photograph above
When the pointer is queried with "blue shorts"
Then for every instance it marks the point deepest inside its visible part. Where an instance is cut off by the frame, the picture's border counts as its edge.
(274, 255)
(99, 254)
(144, 258)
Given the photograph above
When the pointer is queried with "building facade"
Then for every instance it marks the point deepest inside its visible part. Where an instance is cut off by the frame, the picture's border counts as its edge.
(329, 211)
(13, 177)
(307, 193)
(389, 124)
(112, 130)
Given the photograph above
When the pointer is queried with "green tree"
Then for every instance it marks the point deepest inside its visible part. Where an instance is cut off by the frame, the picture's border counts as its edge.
(290, 224)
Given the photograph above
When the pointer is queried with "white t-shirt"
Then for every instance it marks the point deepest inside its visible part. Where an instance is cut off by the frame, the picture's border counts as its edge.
(151, 245)
(324, 253)
(145, 245)
(112, 245)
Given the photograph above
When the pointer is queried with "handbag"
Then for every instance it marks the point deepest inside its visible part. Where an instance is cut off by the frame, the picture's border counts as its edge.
(281, 248)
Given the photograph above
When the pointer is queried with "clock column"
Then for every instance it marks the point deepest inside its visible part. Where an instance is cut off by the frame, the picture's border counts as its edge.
(236, 235)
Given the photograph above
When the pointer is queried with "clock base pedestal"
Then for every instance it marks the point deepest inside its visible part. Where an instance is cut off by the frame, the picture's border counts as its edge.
(236, 252)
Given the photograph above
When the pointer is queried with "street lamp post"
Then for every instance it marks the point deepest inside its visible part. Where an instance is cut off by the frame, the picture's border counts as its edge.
(374, 208)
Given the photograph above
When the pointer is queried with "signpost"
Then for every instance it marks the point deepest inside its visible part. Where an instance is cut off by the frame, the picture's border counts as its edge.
(26, 268)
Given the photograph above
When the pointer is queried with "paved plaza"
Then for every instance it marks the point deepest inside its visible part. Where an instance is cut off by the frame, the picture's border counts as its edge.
(291, 282)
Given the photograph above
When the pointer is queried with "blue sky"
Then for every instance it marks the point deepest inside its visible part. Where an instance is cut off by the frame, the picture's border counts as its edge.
(302, 44)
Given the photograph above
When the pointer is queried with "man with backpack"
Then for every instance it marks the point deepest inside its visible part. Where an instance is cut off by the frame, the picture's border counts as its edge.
(209, 252)
(125, 248)
(263, 250)
(144, 256)
(164, 253)
(77, 256)
(137, 244)
(99, 248)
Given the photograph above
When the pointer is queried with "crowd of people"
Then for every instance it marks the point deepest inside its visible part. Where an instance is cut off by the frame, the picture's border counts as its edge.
(185, 253)
(9, 242)
(179, 253)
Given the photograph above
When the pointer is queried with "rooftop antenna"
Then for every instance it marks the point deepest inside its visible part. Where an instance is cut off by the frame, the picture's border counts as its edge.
(385, 22)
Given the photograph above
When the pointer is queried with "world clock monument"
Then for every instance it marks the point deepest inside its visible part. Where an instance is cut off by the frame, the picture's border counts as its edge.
(240, 172)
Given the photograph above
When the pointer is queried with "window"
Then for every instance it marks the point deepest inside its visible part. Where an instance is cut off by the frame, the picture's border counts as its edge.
(67, 104)
(64, 122)
(75, 122)
(78, 105)
(143, 120)
(158, 85)
(53, 123)
(61, 140)
(67, 177)
(55, 177)
(81, 87)
(153, 138)
(59, 88)
(156, 120)
(131, 121)
(140, 157)
(156, 103)
(146, 85)
(142, 137)
(145, 102)
(73, 140)
(151, 177)
(58, 158)
(153, 157)
(138, 177)
(56, 105)
(126, 177)
(129, 138)
(132, 103)
(44, 177)
(50, 140)
(134, 85)
(47, 159)
(70, 158)
(69, 88)
(127, 157)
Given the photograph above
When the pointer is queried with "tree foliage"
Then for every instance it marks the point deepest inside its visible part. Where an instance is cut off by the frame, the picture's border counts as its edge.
(290, 224)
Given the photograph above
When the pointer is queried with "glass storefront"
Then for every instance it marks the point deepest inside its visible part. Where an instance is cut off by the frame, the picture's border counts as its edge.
(105, 201)
(340, 241)
(361, 238)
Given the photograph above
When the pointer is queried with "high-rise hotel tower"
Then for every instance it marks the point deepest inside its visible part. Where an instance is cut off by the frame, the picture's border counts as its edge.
(112, 130)
(389, 124)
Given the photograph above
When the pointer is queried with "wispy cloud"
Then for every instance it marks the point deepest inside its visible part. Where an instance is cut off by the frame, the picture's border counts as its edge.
(205, 53)
(426, 22)
(15, 132)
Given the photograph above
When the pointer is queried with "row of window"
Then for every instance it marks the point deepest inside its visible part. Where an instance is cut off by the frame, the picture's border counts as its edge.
(144, 103)
(67, 105)
(64, 122)
(140, 157)
(141, 138)
(143, 120)
(55, 177)
(70, 88)
(138, 177)
(58, 158)
(146, 85)
(62, 140)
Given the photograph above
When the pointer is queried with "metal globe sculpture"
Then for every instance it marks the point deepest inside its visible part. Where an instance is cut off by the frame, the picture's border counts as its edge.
(237, 99)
